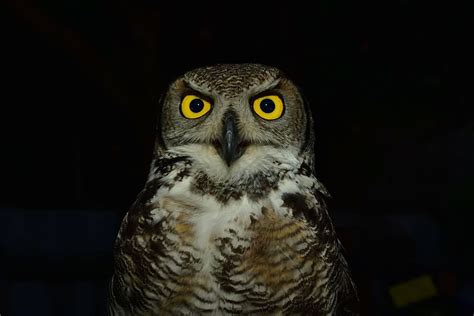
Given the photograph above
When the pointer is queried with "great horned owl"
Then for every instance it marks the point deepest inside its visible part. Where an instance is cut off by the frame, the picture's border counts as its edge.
(232, 219)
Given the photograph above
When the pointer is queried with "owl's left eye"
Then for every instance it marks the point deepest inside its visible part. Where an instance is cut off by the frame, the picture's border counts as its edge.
(193, 107)
(269, 107)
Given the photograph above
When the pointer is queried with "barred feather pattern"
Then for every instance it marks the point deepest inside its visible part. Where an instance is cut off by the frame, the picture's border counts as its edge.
(185, 249)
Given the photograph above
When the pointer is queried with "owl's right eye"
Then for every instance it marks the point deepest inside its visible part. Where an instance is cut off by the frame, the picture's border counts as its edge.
(193, 107)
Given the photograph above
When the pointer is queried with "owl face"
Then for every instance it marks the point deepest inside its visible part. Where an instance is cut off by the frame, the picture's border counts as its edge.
(233, 110)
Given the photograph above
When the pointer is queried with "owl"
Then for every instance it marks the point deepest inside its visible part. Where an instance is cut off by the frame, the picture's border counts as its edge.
(232, 219)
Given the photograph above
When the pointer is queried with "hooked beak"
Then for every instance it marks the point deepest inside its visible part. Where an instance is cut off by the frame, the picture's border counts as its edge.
(230, 146)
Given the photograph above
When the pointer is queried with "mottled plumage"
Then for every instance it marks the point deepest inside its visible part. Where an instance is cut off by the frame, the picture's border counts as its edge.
(232, 219)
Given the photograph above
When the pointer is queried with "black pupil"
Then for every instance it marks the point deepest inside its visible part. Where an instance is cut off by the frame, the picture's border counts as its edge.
(267, 105)
(196, 105)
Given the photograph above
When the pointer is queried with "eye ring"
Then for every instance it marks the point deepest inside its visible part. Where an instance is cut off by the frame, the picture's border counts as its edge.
(268, 107)
(193, 106)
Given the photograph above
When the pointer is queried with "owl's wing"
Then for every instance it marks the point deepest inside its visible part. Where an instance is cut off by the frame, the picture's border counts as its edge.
(347, 303)
(348, 300)
(143, 242)
(328, 252)
(140, 241)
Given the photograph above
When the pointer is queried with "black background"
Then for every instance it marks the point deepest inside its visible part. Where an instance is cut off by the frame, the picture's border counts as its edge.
(386, 82)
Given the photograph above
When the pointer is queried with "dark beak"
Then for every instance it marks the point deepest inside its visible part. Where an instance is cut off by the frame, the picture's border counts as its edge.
(230, 149)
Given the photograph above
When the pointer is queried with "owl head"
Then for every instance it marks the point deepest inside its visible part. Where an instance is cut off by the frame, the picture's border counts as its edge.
(230, 113)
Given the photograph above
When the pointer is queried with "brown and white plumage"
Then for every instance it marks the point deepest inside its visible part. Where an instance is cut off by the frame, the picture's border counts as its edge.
(241, 229)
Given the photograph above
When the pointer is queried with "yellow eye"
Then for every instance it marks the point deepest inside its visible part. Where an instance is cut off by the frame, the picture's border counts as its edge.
(193, 107)
(269, 107)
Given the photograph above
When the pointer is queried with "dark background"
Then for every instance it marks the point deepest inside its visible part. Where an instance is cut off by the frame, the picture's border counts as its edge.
(387, 85)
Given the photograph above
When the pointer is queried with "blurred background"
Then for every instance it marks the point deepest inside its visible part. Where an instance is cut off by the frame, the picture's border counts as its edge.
(387, 83)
